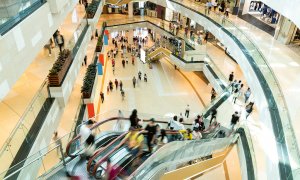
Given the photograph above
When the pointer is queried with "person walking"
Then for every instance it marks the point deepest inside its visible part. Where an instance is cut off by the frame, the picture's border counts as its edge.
(107, 89)
(102, 96)
(249, 109)
(123, 63)
(231, 77)
(121, 85)
(116, 84)
(113, 62)
(123, 95)
(151, 134)
(140, 75)
(111, 86)
(247, 94)
(134, 81)
(60, 41)
(145, 77)
(187, 111)
(132, 60)
(235, 95)
(234, 120)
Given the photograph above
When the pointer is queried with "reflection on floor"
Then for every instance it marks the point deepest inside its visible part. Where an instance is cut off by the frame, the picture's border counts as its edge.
(165, 86)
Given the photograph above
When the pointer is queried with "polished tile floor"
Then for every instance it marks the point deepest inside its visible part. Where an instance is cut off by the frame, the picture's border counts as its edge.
(14, 104)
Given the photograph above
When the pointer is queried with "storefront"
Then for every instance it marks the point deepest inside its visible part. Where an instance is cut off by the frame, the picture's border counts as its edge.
(259, 14)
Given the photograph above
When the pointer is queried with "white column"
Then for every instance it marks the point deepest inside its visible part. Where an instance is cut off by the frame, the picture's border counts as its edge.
(284, 30)
(130, 9)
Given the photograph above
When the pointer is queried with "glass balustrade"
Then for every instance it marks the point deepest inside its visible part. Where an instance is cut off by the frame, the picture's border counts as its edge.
(264, 73)
(14, 11)
(19, 133)
(178, 152)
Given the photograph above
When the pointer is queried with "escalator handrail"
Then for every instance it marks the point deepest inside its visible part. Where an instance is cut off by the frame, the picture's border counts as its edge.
(93, 127)
(102, 149)
(102, 122)
(121, 144)
(104, 158)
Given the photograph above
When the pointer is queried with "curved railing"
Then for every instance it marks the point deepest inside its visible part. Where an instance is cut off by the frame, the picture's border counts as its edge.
(75, 142)
(99, 151)
(282, 126)
(77, 138)
(105, 157)
(179, 151)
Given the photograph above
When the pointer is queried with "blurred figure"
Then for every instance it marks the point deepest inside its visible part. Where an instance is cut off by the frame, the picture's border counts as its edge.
(186, 134)
(213, 115)
(112, 171)
(196, 134)
(134, 141)
(151, 134)
(134, 119)
(162, 139)
(249, 109)
(87, 138)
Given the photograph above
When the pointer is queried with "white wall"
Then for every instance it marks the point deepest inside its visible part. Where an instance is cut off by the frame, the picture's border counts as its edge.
(20, 46)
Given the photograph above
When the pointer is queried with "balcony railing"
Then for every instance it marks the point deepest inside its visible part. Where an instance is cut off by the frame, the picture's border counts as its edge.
(16, 12)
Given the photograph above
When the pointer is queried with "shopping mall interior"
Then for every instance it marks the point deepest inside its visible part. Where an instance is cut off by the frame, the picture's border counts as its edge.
(157, 89)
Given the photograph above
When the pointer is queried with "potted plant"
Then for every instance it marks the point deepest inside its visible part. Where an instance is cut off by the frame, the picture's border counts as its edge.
(59, 68)
(88, 81)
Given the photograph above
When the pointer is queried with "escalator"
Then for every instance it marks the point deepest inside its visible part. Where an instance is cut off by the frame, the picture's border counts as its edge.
(122, 158)
(160, 51)
(76, 164)
(111, 145)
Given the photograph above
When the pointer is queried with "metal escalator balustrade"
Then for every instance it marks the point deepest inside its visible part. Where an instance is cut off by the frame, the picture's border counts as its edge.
(178, 152)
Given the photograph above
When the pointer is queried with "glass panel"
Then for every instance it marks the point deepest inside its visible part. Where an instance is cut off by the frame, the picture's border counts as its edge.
(18, 135)
(179, 152)
(13, 13)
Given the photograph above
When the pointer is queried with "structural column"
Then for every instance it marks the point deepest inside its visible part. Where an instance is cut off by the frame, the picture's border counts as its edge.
(284, 30)
(130, 9)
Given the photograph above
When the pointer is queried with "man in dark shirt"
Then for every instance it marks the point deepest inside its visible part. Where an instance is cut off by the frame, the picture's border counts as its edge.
(151, 131)
(234, 119)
